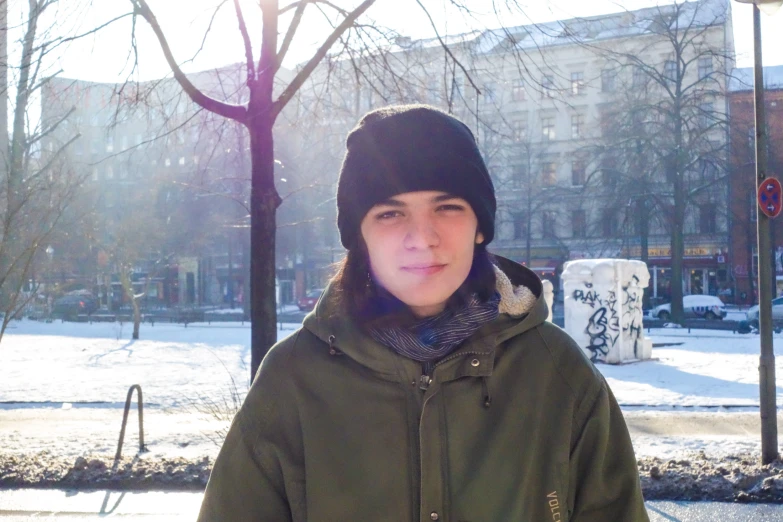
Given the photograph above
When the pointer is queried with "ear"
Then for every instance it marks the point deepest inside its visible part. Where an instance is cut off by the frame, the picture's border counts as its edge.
(479, 238)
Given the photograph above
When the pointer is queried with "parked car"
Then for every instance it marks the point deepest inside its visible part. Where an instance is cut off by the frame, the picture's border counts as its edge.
(695, 307)
(777, 313)
(73, 305)
(307, 303)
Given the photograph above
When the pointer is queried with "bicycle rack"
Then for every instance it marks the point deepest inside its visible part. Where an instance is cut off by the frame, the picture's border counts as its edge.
(142, 448)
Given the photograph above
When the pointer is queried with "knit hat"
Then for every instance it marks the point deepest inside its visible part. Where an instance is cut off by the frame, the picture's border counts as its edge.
(409, 148)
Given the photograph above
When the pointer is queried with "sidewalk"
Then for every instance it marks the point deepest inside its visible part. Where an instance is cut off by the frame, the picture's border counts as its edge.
(30, 505)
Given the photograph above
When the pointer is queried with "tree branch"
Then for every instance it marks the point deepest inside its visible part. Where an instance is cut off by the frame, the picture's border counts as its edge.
(234, 112)
(289, 35)
(307, 70)
(251, 71)
(446, 48)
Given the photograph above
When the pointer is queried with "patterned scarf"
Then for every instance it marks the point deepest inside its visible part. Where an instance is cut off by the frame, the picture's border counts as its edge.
(433, 338)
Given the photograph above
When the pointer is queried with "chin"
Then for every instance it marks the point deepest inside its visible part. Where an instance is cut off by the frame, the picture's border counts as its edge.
(434, 296)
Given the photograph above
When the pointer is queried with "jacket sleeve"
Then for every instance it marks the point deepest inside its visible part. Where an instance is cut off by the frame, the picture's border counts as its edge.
(252, 476)
(604, 477)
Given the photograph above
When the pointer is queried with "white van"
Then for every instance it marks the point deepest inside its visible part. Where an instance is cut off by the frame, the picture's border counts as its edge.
(695, 307)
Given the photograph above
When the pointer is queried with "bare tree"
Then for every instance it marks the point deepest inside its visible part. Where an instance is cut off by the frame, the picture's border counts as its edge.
(355, 41)
(36, 182)
(673, 125)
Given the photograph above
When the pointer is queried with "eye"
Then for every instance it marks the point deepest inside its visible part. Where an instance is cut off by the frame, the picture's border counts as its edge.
(388, 214)
(451, 207)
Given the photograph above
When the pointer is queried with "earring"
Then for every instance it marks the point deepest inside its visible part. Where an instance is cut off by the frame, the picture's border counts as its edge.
(369, 279)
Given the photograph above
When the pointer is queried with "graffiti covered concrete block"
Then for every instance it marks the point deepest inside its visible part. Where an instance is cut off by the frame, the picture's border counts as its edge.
(603, 308)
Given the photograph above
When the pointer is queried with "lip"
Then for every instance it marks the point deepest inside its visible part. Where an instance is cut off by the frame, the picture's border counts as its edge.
(424, 269)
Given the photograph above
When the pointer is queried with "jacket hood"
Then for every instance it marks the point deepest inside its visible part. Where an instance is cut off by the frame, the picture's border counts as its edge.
(522, 308)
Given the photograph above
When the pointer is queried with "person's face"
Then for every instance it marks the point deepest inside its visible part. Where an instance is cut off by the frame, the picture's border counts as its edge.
(420, 246)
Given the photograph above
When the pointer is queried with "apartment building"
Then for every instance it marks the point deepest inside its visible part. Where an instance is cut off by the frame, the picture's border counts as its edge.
(159, 174)
(743, 254)
(572, 117)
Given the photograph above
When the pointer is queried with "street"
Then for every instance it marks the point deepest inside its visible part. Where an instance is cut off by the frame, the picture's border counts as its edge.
(34, 505)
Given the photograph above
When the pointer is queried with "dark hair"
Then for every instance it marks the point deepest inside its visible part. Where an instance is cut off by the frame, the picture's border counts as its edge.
(372, 306)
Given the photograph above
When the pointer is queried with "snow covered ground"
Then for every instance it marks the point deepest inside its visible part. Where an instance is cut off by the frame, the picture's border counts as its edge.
(61, 374)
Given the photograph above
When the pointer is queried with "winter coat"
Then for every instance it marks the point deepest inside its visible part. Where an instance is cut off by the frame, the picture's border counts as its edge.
(515, 425)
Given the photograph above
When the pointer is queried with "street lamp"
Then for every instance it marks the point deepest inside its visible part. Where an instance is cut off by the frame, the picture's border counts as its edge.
(767, 388)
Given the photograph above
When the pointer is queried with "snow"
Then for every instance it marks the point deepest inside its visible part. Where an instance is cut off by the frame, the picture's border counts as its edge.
(66, 382)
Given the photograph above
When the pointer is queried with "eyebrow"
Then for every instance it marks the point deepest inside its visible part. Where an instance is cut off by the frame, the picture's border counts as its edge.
(396, 203)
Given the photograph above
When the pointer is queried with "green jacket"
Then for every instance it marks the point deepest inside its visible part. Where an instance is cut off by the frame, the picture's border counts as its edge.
(516, 425)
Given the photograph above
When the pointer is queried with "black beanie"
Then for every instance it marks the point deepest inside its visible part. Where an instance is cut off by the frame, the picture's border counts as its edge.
(409, 148)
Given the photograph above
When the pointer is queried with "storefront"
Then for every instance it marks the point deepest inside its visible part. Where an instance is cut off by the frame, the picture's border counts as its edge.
(705, 271)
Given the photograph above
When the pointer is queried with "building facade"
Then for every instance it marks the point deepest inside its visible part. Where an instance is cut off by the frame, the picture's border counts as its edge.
(572, 118)
(744, 208)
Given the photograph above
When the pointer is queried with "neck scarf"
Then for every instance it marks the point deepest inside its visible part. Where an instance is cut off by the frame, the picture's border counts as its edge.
(433, 338)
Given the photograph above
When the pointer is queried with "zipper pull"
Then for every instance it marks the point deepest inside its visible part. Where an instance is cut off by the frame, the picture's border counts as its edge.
(424, 382)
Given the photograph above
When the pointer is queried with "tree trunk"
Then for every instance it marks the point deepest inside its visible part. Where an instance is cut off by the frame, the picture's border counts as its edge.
(263, 228)
(644, 245)
(677, 250)
(127, 286)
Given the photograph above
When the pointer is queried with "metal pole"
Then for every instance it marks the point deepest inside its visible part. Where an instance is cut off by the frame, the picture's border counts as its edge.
(767, 388)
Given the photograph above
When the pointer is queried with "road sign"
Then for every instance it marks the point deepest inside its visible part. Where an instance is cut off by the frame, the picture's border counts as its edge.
(770, 197)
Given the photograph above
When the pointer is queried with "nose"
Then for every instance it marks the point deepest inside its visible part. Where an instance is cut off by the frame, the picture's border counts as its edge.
(421, 234)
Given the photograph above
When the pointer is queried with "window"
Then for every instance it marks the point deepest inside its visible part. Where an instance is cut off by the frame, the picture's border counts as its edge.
(548, 86)
(78, 148)
(123, 171)
(705, 115)
(124, 142)
(181, 138)
(109, 172)
(705, 67)
(606, 116)
(609, 174)
(577, 125)
(518, 175)
(548, 174)
(578, 173)
(167, 162)
(548, 224)
(707, 221)
(139, 139)
(608, 222)
(109, 143)
(182, 160)
(518, 90)
(548, 128)
(608, 80)
(577, 83)
(490, 92)
(670, 70)
(579, 223)
(95, 174)
(520, 225)
(519, 130)
(639, 77)
(94, 146)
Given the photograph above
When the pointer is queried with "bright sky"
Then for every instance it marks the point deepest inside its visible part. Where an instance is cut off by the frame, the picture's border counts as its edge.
(104, 56)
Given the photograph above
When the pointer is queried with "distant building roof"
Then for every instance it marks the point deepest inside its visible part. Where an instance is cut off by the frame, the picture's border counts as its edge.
(699, 13)
(742, 79)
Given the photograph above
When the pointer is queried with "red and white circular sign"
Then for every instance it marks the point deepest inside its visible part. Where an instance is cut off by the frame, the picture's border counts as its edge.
(770, 197)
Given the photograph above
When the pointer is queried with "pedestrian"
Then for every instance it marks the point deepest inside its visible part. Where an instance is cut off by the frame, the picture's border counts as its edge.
(427, 384)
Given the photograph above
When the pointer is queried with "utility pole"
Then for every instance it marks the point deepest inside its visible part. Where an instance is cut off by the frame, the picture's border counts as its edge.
(767, 388)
